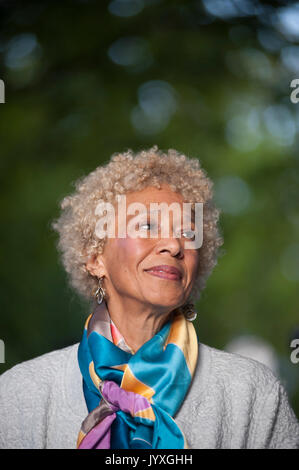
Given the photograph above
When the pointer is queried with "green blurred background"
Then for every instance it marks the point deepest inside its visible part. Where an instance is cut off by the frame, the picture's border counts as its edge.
(210, 78)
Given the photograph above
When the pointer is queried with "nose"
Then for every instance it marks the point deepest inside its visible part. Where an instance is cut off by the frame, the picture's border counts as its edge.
(171, 245)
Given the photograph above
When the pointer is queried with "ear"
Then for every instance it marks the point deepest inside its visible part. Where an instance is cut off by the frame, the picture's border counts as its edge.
(95, 266)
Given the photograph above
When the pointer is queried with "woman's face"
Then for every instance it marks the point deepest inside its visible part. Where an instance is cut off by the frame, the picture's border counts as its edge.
(141, 269)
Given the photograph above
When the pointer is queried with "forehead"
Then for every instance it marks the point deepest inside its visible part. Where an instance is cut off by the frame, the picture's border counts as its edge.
(165, 195)
(153, 194)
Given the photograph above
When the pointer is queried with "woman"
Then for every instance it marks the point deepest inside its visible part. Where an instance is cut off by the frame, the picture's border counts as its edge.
(139, 378)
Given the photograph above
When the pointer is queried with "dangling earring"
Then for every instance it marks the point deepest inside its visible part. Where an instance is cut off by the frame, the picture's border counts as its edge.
(190, 312)
(100, 292)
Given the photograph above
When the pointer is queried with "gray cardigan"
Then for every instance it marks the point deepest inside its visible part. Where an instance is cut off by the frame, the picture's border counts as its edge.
(233, 402)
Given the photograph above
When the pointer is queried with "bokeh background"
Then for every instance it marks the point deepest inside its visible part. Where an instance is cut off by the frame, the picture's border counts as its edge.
(210, 78)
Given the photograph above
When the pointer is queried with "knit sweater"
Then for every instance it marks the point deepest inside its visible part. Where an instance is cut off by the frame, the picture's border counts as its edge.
(233, 402)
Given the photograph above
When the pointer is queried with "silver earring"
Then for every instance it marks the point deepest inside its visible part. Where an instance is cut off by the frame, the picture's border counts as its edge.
(190, 312)
(100, 292)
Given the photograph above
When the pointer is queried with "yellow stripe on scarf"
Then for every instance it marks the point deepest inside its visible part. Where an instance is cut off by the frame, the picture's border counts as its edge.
(182, 334)
(94, 377)
(131, 384)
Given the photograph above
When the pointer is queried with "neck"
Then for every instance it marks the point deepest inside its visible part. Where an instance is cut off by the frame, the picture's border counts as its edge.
(137, 326)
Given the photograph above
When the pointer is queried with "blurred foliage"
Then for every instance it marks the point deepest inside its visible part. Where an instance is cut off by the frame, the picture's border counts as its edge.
(86, 79)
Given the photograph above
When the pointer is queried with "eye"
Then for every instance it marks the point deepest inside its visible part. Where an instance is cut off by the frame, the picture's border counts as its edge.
(188, 234)
(147, 225)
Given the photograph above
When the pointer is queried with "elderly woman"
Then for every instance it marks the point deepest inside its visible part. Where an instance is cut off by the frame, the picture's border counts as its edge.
(139, 377)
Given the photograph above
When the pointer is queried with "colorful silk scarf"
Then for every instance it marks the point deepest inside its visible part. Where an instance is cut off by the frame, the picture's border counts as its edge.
(131, 398)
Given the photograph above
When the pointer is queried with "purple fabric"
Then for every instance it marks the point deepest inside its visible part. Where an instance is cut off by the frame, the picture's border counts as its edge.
(99, 436)
(120, 399)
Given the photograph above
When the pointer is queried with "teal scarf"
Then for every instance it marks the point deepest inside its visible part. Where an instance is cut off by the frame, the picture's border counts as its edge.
(131, 398)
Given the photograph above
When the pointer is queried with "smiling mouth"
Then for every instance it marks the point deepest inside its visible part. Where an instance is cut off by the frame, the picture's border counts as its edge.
(165, 272)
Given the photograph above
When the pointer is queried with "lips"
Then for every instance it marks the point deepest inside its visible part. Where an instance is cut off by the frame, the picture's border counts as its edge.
(166, 272)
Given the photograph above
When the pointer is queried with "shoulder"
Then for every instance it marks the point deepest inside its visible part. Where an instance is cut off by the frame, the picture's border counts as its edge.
(232, 377)
(33, 379)
(241, 401)
(236, 369)
(28, 393)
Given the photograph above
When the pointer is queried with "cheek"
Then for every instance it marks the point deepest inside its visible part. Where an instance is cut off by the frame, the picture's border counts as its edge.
(192, 263)
(126, 253)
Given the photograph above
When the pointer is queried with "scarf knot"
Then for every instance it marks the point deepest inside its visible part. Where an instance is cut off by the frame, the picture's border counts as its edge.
(120, 399)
